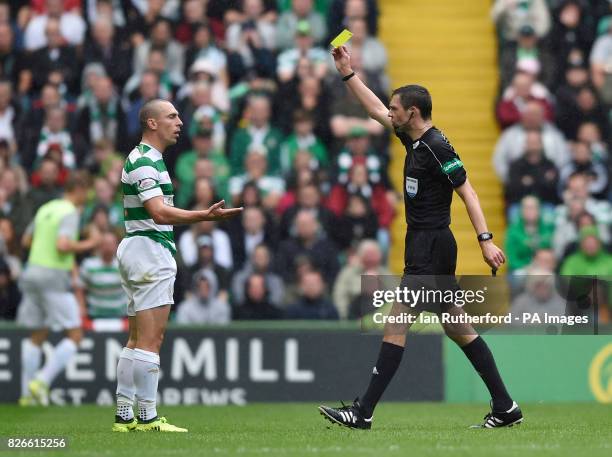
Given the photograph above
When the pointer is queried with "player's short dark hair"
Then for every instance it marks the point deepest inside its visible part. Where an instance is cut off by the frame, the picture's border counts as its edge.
(415, 95)
(149, 110)
(77, 179)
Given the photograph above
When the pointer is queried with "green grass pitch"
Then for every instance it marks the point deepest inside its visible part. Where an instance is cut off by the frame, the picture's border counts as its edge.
(400, 429)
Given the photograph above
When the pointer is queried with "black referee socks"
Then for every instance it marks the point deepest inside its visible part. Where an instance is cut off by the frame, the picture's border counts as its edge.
(389, 359)
(482, 359)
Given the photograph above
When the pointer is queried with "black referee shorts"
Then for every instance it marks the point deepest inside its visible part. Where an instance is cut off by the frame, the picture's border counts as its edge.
(430, 261)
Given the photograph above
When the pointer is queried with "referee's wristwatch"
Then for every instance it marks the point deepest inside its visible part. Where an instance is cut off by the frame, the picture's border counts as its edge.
(485, 236)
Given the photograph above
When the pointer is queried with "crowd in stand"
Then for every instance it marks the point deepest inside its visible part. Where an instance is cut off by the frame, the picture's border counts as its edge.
(554, 153)
(268, 125)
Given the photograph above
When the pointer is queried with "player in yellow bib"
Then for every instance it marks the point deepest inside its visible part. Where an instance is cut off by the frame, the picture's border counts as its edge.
(147, 265)
(48, 301)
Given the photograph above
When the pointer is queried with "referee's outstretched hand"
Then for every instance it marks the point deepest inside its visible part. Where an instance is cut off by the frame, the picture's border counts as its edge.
(493, 255)
(342, 59)
(216, 212)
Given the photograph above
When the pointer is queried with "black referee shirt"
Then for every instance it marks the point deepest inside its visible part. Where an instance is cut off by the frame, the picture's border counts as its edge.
(432, 169)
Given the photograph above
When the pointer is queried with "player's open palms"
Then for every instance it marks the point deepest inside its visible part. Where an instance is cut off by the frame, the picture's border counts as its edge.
(217, 212)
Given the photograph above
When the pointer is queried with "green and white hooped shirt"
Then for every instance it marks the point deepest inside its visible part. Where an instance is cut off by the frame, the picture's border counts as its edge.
(145, 176)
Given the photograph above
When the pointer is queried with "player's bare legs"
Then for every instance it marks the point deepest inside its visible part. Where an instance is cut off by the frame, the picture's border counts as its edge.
(126, 390)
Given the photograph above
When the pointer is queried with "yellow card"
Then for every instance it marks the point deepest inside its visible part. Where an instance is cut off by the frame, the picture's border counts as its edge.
(342, 38)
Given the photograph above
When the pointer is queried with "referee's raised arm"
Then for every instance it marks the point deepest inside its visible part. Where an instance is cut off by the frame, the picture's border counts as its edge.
(375, 107)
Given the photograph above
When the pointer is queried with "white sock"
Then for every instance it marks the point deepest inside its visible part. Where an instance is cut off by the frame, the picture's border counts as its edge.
(57, 362)
(146, 375)
(31, 356)
(125, 384)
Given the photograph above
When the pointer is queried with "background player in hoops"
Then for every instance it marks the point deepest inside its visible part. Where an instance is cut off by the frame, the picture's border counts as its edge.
(432, 170)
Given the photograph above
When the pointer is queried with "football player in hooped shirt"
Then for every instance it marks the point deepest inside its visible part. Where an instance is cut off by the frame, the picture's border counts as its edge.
(432, 171)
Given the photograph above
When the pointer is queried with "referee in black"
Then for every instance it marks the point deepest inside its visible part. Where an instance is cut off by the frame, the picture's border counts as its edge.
(432, 170)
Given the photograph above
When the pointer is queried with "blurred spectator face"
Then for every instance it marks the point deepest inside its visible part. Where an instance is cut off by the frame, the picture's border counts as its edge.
(310, 87)
(533, 146)
(586, 99)
(203, 191)
(49, 96)
(160, 34)
(359, 28)
(570, 15)
(261, 258)
(104, 191)
(253, 220)
(252, 8)
(157, 61)
(306, 225)
(302, 161)
(576, 76)
(370, 255)
(55, 8)
(259, 111)
(193, 11)
(255, 164)
(356, 206)
(581, 153)
(202, 143)
(7, 232)
(302, 8)
(578, 186)
(312, 285)
(256, 288)
(155, 6)
(149, 85)
(303, 127)
(250, 195)
(545, 259)
(53, 34)
(530, 210)
(200, 95)
(522, 83)
(5, 13)
(303, 41)
(48, 172)
(103, 90)
(533, 116)
(204, 168)
(203, 288)
(588, 132)
(355, 8)
(5, 94)
(585, 220)
(359, 175)
(6, 37)
(590, 245)
(527, 39)
(100, 216)
(575, 207)
(205, 250)
(540, 287)
(201, 37)
(9, 183)
(102, 150)
(108, 246)
(304, 68)
(56, 119)
(358, 145)
(103, 31)
(309, 196)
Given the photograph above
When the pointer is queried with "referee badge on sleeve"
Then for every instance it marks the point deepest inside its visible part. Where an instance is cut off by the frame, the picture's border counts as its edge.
(412, 186)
